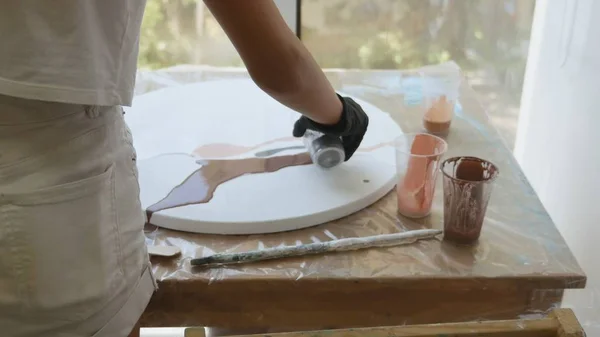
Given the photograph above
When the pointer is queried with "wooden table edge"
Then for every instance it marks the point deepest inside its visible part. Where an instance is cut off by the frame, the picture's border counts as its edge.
(523, 283)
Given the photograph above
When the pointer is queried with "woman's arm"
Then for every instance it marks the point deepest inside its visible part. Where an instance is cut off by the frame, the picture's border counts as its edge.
(276, 60)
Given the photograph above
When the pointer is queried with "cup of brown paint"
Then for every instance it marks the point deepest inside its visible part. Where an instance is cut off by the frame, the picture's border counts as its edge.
(468, 184)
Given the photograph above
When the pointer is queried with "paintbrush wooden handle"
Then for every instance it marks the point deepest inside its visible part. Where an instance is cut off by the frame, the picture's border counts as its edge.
(385, 240)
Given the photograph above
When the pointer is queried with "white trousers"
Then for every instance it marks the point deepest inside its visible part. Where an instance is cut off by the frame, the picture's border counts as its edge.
(73, 260)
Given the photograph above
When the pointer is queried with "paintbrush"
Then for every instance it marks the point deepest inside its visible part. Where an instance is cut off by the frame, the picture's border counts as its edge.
(384, 240)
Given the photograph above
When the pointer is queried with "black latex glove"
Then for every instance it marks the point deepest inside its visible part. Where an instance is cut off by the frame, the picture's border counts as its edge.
(351, 128)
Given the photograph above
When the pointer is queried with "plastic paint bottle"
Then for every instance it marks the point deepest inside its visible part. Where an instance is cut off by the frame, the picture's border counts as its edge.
(325, 151)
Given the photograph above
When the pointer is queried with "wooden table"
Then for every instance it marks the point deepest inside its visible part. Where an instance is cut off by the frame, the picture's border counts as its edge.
(520, 265)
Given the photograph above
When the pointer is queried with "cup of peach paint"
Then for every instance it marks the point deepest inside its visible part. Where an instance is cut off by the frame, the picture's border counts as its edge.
(417, 164)
(440, 93)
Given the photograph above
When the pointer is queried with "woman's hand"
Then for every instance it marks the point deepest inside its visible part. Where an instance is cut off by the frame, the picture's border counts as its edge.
(351, 127)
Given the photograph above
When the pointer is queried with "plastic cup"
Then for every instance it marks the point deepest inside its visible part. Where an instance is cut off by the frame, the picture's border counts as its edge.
(440, 97)
(468, 183)
(417, 164)
(413, 87)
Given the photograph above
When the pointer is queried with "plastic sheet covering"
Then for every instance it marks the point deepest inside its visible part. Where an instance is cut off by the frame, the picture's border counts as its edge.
(519, 267)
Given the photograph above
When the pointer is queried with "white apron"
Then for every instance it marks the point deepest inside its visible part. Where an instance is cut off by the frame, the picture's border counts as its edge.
(73, 261)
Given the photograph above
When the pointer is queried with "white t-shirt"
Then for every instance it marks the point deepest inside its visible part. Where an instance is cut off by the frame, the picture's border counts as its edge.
(71, 51)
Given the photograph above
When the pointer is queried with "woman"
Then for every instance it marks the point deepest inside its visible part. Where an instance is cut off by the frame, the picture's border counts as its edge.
(72, 256)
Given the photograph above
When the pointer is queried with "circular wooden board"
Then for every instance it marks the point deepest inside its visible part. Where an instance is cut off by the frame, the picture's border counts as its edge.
(179, 129)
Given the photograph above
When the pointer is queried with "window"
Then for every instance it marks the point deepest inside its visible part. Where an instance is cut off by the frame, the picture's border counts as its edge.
(178, 32)
(488, 39)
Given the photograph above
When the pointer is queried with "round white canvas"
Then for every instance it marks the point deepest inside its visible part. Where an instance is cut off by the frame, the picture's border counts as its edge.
(169, 124)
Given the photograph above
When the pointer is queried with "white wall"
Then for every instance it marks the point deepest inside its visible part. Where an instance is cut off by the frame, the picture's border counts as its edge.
(558, 138)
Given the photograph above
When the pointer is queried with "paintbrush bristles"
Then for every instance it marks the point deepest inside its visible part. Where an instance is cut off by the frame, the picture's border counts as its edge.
(385, 240)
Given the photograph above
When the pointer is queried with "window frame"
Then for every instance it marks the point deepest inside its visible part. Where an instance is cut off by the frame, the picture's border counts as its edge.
(291, 11)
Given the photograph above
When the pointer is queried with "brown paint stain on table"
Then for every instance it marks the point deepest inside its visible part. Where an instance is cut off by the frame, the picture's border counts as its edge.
(199, 187)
